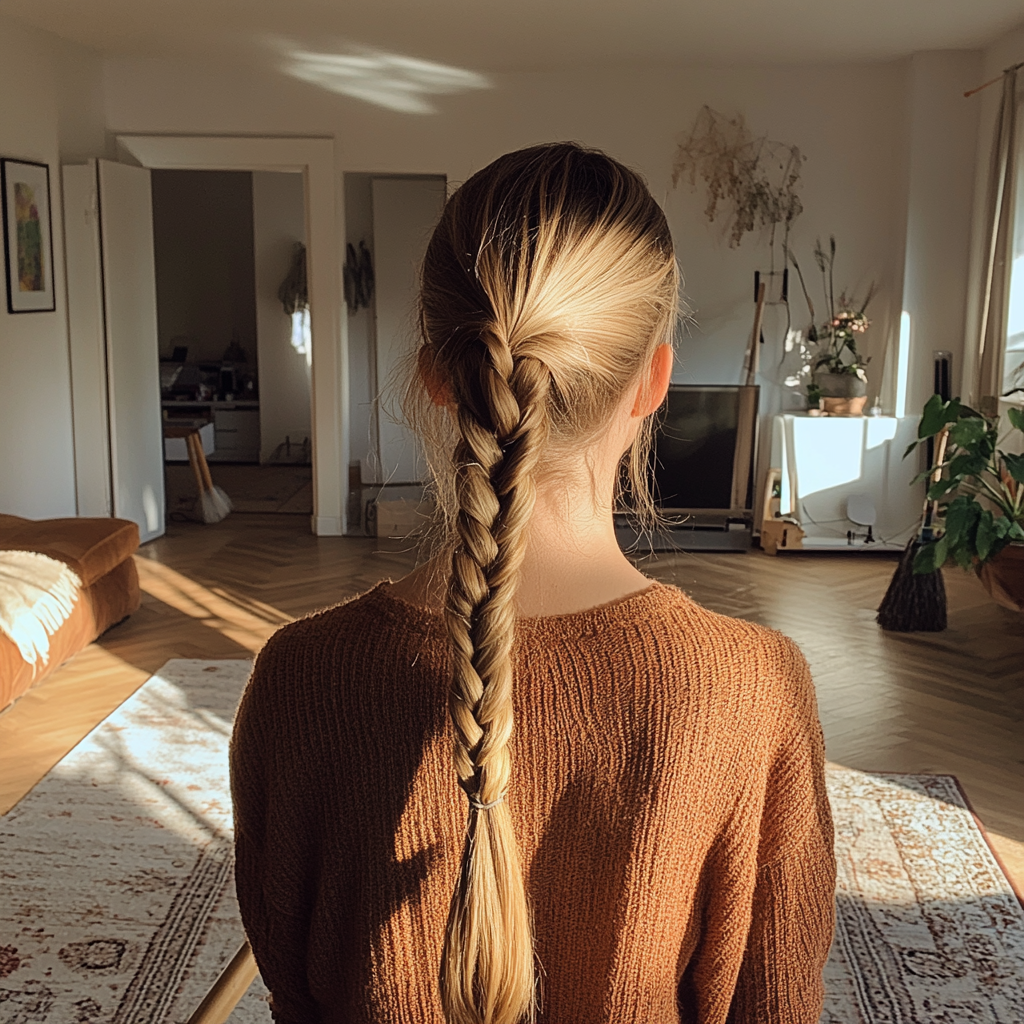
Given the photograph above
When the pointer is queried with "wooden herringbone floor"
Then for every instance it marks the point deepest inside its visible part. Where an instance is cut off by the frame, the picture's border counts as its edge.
(949, 702)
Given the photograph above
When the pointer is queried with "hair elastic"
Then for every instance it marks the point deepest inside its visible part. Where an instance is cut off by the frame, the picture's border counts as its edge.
(478, 805)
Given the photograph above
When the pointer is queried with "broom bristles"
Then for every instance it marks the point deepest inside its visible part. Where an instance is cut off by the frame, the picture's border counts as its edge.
(914, 602)
(213, 505)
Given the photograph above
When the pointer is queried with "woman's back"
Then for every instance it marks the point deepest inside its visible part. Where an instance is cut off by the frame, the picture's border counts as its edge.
(665, 793)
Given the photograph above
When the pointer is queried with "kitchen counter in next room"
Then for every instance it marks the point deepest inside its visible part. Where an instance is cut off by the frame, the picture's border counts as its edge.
(236, 425)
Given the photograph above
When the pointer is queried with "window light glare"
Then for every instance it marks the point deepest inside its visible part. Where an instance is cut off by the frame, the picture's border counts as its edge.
(903, 364)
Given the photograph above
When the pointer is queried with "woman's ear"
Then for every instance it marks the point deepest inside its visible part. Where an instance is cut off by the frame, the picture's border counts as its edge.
(654, 383)
(439, 391)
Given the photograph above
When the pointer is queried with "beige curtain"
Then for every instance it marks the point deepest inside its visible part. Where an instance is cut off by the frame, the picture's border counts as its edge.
(995, 277)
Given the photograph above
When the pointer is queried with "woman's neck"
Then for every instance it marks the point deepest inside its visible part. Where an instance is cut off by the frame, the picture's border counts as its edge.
(572, 561)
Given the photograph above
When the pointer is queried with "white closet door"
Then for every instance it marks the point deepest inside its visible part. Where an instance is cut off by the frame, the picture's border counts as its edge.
(133, 366)
(87, 340)
(405, 211)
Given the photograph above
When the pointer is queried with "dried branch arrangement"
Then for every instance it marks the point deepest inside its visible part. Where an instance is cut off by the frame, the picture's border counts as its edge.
(752, 180)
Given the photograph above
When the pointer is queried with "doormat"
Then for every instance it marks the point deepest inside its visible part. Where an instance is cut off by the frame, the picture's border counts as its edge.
(117, 901)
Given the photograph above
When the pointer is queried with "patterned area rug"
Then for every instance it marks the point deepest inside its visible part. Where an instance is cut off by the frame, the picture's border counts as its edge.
(928, 930)
(117, 904)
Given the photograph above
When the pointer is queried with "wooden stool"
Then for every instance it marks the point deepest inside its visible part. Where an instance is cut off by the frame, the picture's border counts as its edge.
(213, 504)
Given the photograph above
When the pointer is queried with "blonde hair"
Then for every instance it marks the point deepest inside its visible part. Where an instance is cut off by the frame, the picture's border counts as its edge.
(546, 287)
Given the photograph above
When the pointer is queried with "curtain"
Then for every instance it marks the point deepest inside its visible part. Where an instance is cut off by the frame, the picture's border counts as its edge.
(996, 269)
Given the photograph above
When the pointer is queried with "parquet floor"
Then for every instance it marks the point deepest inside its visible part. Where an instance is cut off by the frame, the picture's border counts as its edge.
(948, 702)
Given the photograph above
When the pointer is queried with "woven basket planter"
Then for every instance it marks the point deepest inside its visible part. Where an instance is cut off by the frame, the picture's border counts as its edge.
(1003, 577)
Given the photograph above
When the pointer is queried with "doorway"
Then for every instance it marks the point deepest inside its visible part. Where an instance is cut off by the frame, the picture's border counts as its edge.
(313, 161)
(233, 333)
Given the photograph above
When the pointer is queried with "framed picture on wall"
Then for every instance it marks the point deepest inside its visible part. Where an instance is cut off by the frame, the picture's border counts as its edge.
(28, 239)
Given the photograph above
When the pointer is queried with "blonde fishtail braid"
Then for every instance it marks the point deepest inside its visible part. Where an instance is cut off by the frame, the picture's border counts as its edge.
(487, 973)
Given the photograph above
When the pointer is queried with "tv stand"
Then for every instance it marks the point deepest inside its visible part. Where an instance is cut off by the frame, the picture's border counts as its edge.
(734, 536)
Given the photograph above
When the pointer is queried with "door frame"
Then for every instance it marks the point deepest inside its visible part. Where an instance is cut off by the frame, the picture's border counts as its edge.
(325, 227)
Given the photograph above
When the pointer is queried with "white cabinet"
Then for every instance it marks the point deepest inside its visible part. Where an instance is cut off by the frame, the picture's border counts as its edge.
(827, 460)
(236, 435)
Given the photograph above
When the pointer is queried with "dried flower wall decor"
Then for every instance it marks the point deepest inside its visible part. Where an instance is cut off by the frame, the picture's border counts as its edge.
(752, 180)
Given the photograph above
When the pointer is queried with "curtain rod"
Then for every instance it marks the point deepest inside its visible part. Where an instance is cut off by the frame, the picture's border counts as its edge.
(971, 92)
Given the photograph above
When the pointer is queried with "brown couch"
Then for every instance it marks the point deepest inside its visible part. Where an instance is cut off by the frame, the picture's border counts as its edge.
(99, 551)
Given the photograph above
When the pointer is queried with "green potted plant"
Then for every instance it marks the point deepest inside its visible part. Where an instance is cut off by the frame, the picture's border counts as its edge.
(979, 496)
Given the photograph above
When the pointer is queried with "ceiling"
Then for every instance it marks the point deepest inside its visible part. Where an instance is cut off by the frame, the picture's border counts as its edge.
(519, 35)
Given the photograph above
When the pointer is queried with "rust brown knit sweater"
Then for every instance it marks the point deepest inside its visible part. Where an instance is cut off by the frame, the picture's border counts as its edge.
(667, 792)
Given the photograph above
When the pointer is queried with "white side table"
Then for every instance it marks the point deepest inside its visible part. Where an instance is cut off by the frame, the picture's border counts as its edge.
(825, 460)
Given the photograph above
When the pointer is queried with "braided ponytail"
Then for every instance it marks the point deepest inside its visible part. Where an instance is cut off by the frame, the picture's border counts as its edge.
(547, 285)
(487, 965)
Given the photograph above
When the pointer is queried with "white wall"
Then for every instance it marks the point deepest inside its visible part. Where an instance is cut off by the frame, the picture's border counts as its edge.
(279, 221)
(847, 119)
(49, 111)
(888, 148)
(941, 140)
(203, 233)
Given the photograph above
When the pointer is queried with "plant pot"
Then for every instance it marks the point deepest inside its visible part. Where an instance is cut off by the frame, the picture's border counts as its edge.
(1003, 577)
(840, 385)
(844, 406)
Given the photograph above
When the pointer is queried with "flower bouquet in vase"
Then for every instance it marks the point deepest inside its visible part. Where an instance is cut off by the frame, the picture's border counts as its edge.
(839, 374)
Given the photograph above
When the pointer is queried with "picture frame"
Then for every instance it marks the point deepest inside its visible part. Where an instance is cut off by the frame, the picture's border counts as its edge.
(28, 236)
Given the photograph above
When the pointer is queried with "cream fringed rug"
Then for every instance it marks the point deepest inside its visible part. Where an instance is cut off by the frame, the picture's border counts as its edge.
(117, 904)
(116, 896)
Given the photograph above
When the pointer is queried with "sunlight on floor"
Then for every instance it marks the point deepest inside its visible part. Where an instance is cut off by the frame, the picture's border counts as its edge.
(1008, 852)
(246, 621)
(1011, 853)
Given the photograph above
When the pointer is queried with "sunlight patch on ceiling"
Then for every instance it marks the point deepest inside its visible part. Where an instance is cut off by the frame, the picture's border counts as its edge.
(388, 80)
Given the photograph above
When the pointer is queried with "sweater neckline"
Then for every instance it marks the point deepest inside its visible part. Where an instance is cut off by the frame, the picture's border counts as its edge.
(628, 608)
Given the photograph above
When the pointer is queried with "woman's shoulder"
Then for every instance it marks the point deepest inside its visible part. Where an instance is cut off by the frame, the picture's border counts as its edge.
(761, 663)
(308, 647)
(700, 623)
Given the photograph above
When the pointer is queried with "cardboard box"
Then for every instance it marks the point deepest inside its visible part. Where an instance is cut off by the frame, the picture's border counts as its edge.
(399, 517)
(781, 535)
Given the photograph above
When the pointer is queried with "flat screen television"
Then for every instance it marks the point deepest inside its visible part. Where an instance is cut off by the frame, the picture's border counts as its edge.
(702, 460)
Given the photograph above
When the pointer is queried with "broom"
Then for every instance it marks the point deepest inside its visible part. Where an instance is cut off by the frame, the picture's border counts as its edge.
(213, 504)
(916, 602)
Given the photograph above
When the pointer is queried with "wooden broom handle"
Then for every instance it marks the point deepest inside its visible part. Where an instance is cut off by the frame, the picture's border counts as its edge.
(931, 505)
(755, 336)
(192, 441)
(940, 454)
(203, 464)
(228, 989)
(199, 463)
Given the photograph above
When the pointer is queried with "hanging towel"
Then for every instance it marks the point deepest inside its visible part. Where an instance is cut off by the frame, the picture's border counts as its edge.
(37, 594)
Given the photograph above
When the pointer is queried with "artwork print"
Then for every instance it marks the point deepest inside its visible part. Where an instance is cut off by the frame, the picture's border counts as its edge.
(28, 245)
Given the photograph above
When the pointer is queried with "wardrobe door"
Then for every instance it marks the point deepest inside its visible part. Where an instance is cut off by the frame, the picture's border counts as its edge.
(133, 367)
(405, 211)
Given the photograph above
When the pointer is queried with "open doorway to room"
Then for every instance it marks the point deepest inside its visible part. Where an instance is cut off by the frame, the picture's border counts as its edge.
(388, 222)
(234, 340)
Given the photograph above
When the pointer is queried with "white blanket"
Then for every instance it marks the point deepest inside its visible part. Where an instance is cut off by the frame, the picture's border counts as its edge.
(37, 594)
